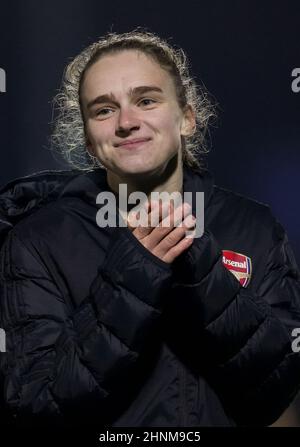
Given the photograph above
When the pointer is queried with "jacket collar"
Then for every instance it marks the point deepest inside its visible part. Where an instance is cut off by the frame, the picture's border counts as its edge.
(198, 181)
(91, 183)
(24, 195)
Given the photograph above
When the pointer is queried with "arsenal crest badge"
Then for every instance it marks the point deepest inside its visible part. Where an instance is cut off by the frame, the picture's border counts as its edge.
(239, 265)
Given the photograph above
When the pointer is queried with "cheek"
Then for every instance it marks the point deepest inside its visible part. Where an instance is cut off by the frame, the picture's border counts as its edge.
(98, 133)
(170, 126)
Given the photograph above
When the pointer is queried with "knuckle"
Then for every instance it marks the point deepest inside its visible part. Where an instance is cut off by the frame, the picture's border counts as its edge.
(170, 239)
(187, 207)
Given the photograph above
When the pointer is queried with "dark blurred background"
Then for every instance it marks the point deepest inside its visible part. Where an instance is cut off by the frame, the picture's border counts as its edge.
(243, 51)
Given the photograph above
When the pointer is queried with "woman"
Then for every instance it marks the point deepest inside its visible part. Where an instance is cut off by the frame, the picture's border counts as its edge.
(142, 325)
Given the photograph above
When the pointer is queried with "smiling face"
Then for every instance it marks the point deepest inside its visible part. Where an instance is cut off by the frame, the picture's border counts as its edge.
(133, 121)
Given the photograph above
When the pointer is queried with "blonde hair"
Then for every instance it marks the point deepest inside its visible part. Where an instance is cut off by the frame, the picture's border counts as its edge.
(68, 136)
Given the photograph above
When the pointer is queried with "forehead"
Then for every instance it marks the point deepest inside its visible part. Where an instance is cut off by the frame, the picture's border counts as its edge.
(117, 73)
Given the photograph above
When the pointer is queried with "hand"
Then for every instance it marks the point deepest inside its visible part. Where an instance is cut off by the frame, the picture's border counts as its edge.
(165, 239)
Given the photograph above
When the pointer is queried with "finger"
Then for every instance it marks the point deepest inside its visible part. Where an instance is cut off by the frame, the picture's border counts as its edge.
(163, 227)
(173, 219)
(159, 210)
(144, 221)
(185, 230)
(189, 222)
(138, 214)
(179, 248)
(176, 217)
(148, 222)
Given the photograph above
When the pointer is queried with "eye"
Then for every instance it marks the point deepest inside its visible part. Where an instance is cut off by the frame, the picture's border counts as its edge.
(147, 102)
(104, 112)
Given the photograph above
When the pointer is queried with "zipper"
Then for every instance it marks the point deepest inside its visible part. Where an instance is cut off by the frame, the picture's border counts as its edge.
(182, 396)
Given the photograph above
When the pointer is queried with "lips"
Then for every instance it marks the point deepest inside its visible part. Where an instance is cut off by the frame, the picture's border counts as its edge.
(132, 143)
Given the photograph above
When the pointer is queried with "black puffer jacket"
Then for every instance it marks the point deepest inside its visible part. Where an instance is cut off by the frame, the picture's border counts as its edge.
(99, 330)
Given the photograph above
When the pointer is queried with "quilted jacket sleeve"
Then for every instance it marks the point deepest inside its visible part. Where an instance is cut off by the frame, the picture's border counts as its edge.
(241, 341)
(63, 365)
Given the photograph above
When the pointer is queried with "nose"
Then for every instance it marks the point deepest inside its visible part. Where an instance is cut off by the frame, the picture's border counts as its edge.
(127, 121)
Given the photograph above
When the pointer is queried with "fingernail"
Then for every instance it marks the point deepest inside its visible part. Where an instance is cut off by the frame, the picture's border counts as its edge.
(190, 220)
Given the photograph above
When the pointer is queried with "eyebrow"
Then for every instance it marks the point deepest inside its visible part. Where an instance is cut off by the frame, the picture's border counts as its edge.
(132, 92)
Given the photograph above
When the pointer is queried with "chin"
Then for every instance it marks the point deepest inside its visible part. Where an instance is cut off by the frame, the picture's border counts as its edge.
(137, 169)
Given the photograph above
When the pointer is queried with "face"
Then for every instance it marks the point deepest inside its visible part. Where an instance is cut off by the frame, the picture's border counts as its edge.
(133, 122)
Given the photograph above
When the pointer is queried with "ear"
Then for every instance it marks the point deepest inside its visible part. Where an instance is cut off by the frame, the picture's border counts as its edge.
(188, 125)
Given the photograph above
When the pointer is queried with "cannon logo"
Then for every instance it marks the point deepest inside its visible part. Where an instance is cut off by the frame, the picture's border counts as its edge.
(239, 265)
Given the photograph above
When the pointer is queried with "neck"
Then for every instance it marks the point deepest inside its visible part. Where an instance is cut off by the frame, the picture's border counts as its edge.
(168, 179)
